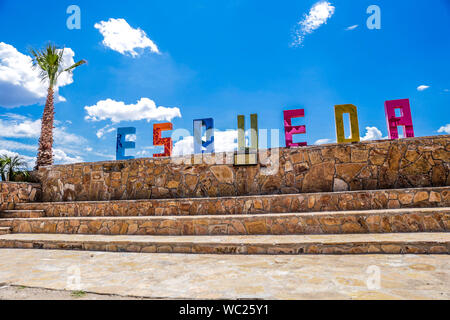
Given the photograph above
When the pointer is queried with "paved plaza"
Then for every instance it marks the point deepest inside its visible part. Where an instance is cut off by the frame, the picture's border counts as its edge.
(187, 276)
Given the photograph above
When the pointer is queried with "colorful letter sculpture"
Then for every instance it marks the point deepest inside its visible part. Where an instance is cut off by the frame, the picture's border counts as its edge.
(199, 144)
(247, 155)
(122, 144)
(405, 120)
(354, 125)
(290, 130)
(159, 141)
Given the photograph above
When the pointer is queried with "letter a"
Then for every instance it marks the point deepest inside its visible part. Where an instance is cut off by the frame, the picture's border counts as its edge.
(374, 21)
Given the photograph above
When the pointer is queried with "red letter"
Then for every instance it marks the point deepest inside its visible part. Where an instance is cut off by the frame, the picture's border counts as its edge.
(404, 120)
(290, 130)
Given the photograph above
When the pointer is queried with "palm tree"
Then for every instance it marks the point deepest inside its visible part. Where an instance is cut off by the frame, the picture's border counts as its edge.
(10, 167)
(49, 62)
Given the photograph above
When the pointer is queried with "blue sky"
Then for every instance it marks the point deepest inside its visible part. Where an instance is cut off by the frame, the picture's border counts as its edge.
(219, 59)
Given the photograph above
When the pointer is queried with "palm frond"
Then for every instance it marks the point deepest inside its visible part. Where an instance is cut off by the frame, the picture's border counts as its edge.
(76, 65)
(11, 166)
(49, 61)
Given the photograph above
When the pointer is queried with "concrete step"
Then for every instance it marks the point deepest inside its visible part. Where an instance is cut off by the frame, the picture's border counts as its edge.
(406, 243)
(312, 202)
(338, 222)
(9, 214)
(5, 230)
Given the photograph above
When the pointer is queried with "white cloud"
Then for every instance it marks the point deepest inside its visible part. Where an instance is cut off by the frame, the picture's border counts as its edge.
(14, 145)
(102, 131)
(63, 137)
(68, 147)
(14, 116)
(121, 37)
(224, 141)
(373, 133)
(20, 84)
(117, 111)
(323, 141)
(61, 157)
(131, 137)
(351, 27)
(422, 88)
(20, 129)
(18, 126)
(143, 153)
(184, 146)
(318, 15)
(445, 129)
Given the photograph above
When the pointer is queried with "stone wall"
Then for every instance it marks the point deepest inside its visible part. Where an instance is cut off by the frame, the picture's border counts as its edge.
(18, 192)
(404, 163)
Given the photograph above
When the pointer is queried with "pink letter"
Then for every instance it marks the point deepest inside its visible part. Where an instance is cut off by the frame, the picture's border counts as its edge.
(404, 120)
(290, 130)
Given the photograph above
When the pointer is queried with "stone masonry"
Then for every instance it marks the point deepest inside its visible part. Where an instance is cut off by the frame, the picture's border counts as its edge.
(426, 243)
(18, 192)
(373, 221)
(384, 197)
(404, 163)
(312, 202)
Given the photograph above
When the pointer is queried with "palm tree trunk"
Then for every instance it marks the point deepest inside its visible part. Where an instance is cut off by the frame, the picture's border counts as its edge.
(45, 152)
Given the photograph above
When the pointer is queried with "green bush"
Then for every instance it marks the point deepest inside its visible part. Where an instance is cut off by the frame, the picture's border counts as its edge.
(14, 169)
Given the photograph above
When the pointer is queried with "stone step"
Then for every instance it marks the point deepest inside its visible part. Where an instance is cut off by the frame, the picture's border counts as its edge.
(312, 202)
(338, 222)
(5, 230)
(405, 243)
(22, 214)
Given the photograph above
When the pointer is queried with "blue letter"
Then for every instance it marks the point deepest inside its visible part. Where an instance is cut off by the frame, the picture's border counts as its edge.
(122, 144)
(199, 144)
